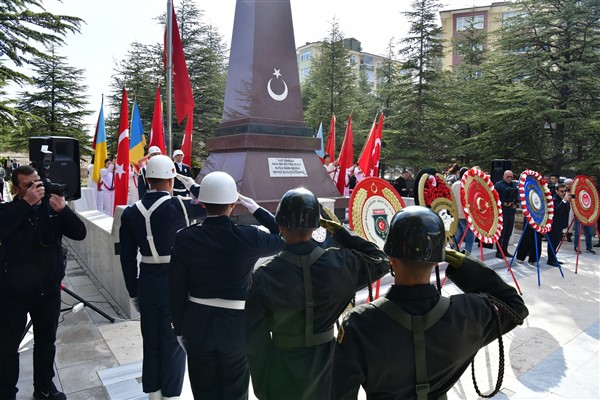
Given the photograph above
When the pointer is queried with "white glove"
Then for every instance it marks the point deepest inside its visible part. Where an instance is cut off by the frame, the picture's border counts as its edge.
(135, 304)
(250, 204)
(186, 180)
(182, 343)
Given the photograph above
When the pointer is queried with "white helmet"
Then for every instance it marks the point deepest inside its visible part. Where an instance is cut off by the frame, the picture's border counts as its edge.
(160, 167)
(154, 150)
(218, 188)
(177, 153)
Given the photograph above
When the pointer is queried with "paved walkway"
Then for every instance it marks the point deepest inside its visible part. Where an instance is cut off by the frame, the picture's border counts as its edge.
(554, 355)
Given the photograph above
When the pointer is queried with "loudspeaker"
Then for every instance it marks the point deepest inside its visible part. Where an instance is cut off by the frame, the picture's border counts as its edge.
(498, 168)
(62, 166)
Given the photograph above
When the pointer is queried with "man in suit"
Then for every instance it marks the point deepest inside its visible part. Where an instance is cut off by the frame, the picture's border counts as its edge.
(561, 221)
(142, 186)
(182, 169)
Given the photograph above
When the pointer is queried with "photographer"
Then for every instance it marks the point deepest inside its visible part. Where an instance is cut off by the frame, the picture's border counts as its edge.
(509, 197)
(32, 266)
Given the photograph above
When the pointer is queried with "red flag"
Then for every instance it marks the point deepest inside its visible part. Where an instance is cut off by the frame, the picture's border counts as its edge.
(376, 155)
(182, 88)
(330, 148)
(186, 143)
(122, 168)
(157, 132)
(364, 159)
(346, 157)
(369, 159)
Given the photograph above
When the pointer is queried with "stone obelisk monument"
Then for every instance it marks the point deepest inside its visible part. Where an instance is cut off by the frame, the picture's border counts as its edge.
(263, 141)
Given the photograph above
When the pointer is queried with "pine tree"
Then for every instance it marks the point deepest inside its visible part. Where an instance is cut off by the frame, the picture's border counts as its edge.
(143, 68)
(416, 94)
(57, 106)
(332, 86)
(548, 102)
(25, 28)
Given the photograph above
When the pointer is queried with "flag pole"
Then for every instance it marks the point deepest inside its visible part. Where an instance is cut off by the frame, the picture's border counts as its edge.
(169, 77)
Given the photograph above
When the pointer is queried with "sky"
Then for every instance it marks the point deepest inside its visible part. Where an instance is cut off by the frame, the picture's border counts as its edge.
(112, 25)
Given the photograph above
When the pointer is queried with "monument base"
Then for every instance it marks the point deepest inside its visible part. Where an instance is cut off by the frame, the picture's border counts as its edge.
(266, 166)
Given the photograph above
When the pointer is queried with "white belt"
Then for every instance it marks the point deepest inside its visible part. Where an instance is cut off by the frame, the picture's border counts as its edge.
(157, 260)
(221, 303)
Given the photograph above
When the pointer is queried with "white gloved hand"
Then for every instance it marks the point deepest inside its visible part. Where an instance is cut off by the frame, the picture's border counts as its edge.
(186, 180)
(182, 343)
(135, 304)
(250, 204)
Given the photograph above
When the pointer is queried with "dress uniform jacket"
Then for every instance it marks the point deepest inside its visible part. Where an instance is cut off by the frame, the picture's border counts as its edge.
(276, 309)
(375, 351)
(164, 360)
(214, 262)
(179, 187)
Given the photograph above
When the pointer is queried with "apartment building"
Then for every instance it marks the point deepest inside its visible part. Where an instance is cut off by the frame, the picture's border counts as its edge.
(358, 59)
(488, 18)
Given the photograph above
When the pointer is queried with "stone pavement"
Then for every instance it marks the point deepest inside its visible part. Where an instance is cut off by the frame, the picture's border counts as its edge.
(554, 355)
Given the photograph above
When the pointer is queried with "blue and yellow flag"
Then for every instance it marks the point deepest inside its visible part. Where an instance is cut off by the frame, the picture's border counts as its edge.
(99, 144)
(137, 140)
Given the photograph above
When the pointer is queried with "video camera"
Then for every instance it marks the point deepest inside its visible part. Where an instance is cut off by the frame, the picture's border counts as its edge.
(50, 187)
(56, 159)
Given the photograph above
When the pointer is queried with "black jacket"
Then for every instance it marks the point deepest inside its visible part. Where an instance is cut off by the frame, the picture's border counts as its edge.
(561, 214)
(276, 306)
(32, 258)
(377, 352)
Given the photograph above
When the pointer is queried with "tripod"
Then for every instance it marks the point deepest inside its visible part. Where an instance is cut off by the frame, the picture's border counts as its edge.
(70, 308)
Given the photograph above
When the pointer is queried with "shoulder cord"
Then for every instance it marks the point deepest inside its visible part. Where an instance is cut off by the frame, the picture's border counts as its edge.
(496, 304)
(370, 259)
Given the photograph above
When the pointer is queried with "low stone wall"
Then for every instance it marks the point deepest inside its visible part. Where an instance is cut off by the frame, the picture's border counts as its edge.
(97, 251)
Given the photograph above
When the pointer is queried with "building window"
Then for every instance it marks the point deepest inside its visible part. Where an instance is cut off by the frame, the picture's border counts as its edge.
(352, 59)
(304, 72)
(305, 55)
(367, 60)
(462, 23)
(507, 16)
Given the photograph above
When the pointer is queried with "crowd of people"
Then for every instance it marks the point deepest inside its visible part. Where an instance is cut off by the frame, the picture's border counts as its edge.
(201, 299)
(104, 188)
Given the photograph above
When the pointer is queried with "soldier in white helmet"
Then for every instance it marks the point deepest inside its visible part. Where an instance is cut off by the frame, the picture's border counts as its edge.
(150, 225)
(182, 169)
(142, 184)
(211, 267)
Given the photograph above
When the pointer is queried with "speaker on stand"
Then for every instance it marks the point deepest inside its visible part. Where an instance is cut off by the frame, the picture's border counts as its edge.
(498, 168)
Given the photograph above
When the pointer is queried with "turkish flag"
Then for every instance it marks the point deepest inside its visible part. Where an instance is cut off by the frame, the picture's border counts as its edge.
(122, 168)
(330, 148)
(182, 88)
(364, 160)
(376, 152)
(346, 157)
(157, 132)
(186, 143)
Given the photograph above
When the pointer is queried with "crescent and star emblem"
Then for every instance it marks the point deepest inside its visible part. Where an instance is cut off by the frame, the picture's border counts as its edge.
(274, 96)
(481, 207)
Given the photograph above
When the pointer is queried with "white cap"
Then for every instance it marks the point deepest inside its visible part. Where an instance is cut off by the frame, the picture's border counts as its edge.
(218, 188)
(154, 150)
(160, 167)
(568, 180)
(177, 153)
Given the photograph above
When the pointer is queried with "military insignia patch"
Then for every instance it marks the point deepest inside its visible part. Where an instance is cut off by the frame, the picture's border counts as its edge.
(373, 201)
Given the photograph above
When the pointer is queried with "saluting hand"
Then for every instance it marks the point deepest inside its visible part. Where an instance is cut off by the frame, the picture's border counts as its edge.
(247, 202)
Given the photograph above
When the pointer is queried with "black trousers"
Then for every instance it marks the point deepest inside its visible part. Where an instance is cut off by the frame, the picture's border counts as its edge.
(507, 228)
(554, 237)
(216, 375)
(527, 248)
(44, 311)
